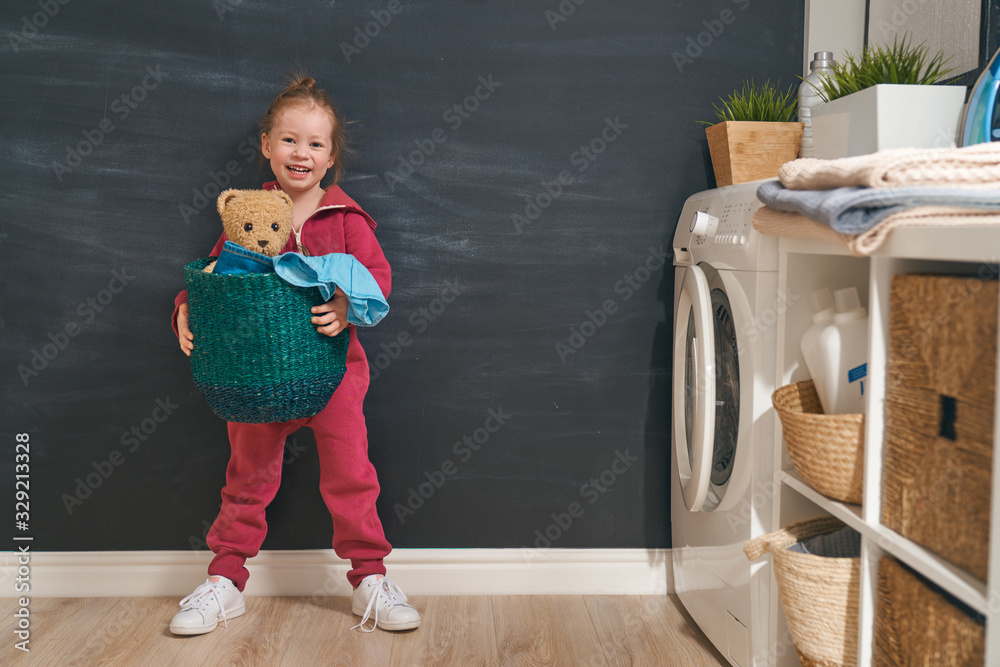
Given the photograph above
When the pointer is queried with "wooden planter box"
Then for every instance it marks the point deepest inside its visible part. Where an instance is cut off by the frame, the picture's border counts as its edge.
(746, 151)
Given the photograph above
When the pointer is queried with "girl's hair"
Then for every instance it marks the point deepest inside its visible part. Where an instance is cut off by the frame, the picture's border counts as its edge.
(302, 91)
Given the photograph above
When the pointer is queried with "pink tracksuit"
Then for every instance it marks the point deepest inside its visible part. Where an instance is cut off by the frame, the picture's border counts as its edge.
(348, 482)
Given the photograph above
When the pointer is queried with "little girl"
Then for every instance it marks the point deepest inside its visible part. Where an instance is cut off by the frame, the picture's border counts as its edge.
(302, 137)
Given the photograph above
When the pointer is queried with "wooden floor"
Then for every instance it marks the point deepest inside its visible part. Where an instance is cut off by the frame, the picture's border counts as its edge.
(575, 631)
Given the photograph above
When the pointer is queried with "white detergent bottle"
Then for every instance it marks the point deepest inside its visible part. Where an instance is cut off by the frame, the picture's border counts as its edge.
(846, 340)
(816, 361)
(851, 323)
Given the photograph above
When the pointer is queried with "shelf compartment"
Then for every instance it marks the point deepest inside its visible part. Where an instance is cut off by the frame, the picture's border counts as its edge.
(958, 582)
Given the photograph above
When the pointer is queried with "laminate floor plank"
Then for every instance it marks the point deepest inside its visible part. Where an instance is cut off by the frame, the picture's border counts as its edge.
(58, 627)
(545, 631)
(258, 638)
(636, 631)
(454, 632)
(459, 631)
(322, 635)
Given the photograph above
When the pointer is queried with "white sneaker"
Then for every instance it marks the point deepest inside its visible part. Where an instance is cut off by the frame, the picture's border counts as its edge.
(200, 611)
(380, 598)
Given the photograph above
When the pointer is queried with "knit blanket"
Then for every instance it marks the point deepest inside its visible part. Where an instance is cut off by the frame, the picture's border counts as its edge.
(795, 225)
(976, 166)
(853, 210)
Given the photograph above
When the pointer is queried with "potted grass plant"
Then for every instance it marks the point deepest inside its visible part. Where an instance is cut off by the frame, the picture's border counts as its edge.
(755, 134)
(886, 98)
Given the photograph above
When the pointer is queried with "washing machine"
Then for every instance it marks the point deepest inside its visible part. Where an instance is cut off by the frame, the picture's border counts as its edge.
(726, 304)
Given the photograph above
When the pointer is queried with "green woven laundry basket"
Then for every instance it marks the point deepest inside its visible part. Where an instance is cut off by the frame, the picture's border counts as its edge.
(257, 357)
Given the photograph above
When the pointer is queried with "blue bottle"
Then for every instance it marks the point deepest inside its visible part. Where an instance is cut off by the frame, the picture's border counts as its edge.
(982, 117)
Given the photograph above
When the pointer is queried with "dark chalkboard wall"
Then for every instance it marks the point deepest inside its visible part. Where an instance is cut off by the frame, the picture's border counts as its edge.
(526, 161)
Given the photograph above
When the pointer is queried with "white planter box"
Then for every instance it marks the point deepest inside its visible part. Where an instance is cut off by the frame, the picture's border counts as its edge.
(888, 116)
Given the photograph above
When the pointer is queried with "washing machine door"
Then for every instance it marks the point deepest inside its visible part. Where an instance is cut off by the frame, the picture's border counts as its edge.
(706, 390)
(694, 387)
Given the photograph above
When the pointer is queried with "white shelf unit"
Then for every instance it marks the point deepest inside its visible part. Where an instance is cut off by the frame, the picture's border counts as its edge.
(808, 265)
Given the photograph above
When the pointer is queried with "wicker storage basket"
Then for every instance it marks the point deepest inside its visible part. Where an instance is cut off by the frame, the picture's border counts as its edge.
(819, 594)
(918, 627)
(257, 357)
(827, 450)
(939, 415)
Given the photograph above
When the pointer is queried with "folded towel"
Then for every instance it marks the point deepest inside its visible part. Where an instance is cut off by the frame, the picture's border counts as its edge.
(976, 166)
(853, 210)
(327, 272)
(795, 225)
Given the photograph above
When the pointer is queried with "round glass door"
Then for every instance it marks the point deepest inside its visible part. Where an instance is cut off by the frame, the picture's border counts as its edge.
(726, 430)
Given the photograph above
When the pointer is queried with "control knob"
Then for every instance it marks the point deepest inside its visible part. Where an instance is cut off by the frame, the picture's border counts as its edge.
(703, 224)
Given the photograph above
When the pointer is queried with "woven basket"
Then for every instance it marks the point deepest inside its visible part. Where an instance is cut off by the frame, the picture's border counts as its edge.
(827, 450)
(819, 594)
(916, 626)
(938, 453)
(257, 357)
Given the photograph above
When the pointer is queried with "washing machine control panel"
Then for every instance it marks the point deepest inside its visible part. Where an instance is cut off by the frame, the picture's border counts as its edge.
(717, 226)
(735, 223)
(723, 225)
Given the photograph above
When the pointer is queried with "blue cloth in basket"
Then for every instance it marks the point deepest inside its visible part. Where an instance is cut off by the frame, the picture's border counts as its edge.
(367, 306)
(234, 258)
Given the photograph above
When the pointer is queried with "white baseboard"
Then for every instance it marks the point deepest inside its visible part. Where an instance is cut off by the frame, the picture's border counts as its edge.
(321, 572)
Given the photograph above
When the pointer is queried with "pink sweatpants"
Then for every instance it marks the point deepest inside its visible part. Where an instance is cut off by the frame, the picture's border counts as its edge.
(348, 482)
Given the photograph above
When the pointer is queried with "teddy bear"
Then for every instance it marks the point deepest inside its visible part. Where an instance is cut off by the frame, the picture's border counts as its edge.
(259, 221)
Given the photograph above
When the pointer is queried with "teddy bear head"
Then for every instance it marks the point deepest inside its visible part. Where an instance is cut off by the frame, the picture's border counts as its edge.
(258, 220)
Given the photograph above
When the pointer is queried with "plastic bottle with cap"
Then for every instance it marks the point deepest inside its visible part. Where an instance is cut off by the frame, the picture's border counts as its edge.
(851, 322)
(821, 65)
(841, 356)
(816, 362)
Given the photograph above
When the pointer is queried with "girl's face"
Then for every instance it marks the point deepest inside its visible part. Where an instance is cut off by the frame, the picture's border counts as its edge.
(300, 148)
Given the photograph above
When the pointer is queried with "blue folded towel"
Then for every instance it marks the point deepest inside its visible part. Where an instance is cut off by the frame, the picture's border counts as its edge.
(327, 272)
(855, 210)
